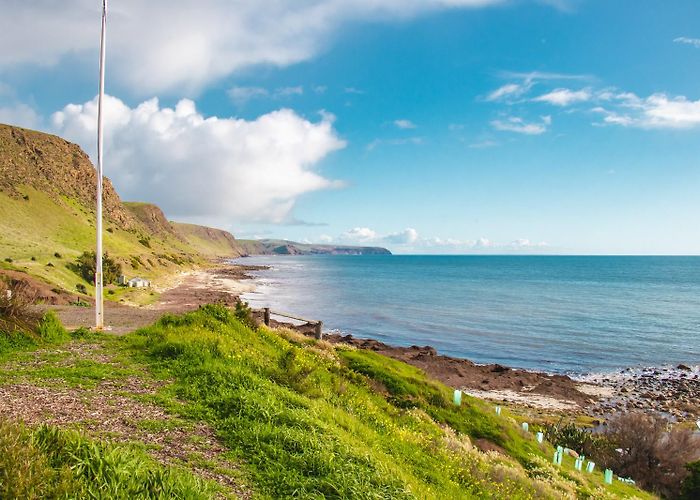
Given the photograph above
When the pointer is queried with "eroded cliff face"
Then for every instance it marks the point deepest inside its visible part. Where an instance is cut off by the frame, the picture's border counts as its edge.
(56, 167)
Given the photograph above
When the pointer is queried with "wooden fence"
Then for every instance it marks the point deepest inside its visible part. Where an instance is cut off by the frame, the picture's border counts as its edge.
(318, 325)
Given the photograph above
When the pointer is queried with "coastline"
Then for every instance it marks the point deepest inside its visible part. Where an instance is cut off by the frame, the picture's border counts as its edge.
(674, 392)
(671, 391)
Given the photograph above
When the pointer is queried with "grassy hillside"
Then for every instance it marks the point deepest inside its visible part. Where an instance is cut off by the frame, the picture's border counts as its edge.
(209, 241)
(312, 420)
(200, 406)
(47, 219)
(43, 236)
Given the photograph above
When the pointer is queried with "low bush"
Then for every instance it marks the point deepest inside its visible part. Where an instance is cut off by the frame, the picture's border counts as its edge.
(81, 288)
(16, 301)
(650, 452)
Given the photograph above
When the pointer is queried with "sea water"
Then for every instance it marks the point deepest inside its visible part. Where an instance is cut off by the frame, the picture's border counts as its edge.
(551, 313)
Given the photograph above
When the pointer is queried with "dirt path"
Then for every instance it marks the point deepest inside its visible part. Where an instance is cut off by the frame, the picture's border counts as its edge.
(89, 385)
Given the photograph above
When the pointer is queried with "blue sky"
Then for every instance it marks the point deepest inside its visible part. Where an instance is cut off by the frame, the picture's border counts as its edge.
(461, 126)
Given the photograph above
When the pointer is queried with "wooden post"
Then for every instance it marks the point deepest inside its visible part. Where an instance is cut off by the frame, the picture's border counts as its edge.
(266, 316)
(318, 329)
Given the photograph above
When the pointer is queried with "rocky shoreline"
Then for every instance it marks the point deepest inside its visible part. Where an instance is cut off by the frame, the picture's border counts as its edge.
(671, 391)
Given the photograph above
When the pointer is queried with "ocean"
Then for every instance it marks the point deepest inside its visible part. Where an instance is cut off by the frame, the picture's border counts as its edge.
(575, 315)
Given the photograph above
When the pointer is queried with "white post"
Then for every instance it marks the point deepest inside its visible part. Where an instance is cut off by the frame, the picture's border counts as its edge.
(99, 300)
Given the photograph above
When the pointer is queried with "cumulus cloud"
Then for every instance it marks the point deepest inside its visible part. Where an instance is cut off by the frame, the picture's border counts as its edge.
(186, 44)
(199, 168)
(404, 124)
(520, 126)
(359, 234)
(564, 97)
(695, 42)
(405, 237)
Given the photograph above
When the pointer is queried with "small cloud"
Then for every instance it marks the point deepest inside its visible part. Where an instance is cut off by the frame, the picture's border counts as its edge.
(359, 234)
(241, 95)
(320, 89)
(405, 237)
(404, 124)
(289, 91)
(564, 97)
(695, 42)
(324, 238)
(455, 127)
(656, 111)
(353, 90)
(519, 126)
(508, 90)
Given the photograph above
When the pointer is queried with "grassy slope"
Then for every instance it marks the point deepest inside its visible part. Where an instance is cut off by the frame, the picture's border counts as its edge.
(209, 241)
(40, 226)
(299, 417)
(312, 420)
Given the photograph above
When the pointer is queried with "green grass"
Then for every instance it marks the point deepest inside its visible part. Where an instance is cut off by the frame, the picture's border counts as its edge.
(43, 226)
(309, 420)
(47, 462)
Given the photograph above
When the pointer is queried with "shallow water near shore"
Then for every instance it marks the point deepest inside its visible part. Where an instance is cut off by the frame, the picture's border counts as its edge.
(561, 314)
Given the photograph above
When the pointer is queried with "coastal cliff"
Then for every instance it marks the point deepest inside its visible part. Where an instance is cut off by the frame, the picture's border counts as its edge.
(47, 219)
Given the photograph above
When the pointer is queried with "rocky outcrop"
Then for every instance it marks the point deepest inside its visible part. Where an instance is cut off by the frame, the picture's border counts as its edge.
(56, 167)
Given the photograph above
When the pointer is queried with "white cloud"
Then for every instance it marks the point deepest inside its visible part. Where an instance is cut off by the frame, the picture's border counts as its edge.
(409, 240)
(508, 90)
(241, 95)
(656, 111)
(324, 238)
(404, 124)
(359, 234)
(20, 115)
(564, 97)
(695, 42)
(519, 126)
(223, 169)
(288, 91)
(405, 237)
(184, 45)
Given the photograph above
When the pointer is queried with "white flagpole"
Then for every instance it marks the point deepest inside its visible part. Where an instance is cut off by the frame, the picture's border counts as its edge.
(99, 299)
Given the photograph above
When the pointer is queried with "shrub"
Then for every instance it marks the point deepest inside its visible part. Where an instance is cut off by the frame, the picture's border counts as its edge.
(579, 439)
(110, 229)
(85, 266)
(57, 255)
(244, 314)
(145, 241)
(650, 453)
(51, 330)
(81, 288)
(16, 299)
(33, 259)
(690, 488)
(8, 260)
